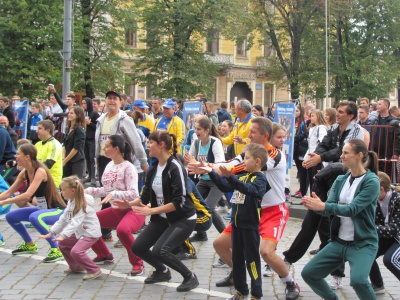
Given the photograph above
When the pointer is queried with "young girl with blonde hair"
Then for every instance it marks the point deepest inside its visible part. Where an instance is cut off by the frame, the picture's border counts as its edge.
(77, 229)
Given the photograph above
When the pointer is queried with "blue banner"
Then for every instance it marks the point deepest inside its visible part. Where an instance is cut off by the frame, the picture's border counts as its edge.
(190, 109)
(20, 110)
(284, 115)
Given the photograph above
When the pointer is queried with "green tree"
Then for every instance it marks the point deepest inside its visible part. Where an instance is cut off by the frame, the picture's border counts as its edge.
(174, 62)
(286, 23)
(364, 60)
(30, 37)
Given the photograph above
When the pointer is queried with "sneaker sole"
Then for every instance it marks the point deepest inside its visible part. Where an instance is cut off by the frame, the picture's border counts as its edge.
(94, 277)
(25, 252)
(53, 260)
(137, 274)
(220, 266)
(108, 262)
(268, 275)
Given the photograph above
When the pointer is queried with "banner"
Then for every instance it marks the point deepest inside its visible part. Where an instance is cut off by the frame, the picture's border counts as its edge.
(284, 115)
(190, 109)
(20, 110)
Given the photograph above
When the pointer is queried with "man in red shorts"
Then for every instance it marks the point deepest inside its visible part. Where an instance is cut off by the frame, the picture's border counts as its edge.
(274, 211)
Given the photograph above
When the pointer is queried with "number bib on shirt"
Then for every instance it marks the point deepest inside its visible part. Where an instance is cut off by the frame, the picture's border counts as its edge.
(238, 197)
(41, 202)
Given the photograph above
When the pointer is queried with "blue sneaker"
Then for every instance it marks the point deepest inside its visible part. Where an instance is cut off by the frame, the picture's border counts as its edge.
(1, 240)
(228, 216)
(5, 209)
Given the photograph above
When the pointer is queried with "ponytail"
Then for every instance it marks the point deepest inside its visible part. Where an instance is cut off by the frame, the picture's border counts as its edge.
(123, 146)
(174, 145)
(72, 182)
(372, 162)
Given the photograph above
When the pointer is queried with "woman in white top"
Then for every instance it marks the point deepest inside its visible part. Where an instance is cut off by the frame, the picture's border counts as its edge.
(207, 147)
(318, 129)
(352, 205)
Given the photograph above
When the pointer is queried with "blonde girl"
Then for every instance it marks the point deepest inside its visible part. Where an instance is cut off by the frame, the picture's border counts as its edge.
(330, 116)
(77, 229)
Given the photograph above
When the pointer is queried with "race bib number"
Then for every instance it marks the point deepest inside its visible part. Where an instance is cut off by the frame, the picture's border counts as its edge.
(237, 198)
(41, 202)
(160, 201)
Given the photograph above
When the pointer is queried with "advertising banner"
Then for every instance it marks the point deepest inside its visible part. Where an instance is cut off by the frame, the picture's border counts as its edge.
(20, 110)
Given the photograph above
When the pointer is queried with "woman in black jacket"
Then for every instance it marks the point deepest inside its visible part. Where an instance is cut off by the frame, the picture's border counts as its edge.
(300, 150)
(91, 117)
(74, 143)
(173, 216)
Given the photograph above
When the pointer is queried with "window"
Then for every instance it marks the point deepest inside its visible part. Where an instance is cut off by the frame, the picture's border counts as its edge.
(241, 48)
(268, 94)
(131, 36)
(213, 41)
(269, 49)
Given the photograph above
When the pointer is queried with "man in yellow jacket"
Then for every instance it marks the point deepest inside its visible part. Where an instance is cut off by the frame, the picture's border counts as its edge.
(240, 132)
(172, 123)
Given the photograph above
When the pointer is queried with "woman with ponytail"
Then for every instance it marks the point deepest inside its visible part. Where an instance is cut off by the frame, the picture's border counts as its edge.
(351, 204)
(41, 204)
(120, 181)
(173, 216)
(208, 147)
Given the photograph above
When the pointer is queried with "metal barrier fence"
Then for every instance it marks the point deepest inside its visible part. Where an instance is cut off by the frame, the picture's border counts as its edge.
(383, 142)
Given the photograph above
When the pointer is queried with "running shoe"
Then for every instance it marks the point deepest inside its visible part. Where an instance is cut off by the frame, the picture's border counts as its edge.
(108, 237)
(228, 216)
(378, 290)
(25, 249)
(53, 256)
(238, 296)
(118, 244)
(220, 264)
(188, 284)
(227, 281)
(292, 290)
(296, 193)
(185, 255)
(268, 272)
(313, 252)
(335, 282)
(199, 237)
(70, 271)
(158, 277)
(137, 270)
(108, 260)
(92, 275)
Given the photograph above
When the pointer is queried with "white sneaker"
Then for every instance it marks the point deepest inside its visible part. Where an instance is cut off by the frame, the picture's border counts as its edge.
(222, 209)
(268, 272)
(220, 264)
(288, 265)
(335, 282)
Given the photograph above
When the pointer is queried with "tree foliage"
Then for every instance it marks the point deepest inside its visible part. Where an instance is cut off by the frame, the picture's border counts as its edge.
(174, 62)
(30, 37)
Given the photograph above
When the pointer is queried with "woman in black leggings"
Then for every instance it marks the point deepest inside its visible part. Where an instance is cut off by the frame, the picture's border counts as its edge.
(173, 216)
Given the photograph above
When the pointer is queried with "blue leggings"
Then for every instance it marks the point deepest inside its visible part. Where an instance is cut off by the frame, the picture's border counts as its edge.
(40, 219)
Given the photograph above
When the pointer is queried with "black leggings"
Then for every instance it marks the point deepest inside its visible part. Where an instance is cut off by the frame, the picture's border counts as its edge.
(163, 237)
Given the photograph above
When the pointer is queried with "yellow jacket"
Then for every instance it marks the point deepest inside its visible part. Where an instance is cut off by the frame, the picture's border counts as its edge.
(242, 129)
(176, 127)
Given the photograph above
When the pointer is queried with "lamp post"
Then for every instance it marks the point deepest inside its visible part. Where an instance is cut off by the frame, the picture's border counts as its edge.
(67, 47)
(326, 57)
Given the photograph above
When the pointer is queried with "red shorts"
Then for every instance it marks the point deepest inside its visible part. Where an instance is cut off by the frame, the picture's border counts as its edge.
(228, 230)
(273, 222)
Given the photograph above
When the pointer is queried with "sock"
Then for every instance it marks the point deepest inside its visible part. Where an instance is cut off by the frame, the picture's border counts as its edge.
(166, 270)
(287, 279)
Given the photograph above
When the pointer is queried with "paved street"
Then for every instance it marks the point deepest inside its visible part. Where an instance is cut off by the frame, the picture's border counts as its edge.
(26, 277)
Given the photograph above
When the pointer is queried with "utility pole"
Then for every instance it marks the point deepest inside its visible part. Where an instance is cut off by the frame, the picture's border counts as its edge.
(67, 47)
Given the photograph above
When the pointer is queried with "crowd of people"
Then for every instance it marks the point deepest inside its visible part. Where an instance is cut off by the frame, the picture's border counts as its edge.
(148, 164)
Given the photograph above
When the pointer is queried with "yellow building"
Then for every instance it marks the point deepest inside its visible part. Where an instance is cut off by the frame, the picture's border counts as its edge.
(242, 74)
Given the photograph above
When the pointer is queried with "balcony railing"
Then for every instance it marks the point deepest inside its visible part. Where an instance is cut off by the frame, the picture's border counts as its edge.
(221, 59)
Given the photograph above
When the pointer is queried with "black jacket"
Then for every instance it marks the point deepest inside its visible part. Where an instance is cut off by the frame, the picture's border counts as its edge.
(174, 187)
(330, 149)
(93, 115)
(253, 186)
(7, 112)
(300, 141)
(324, 179)
(75, 140)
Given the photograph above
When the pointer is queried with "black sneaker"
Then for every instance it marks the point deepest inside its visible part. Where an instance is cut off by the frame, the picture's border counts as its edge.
(227, 281)
(185, 255)
(158, 277)
(198, 238)
(188, 284)
(292, 290)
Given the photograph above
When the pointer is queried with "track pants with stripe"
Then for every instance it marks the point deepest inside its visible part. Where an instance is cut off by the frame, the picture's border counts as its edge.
(40, 219)
(390, 249)
(246, 254)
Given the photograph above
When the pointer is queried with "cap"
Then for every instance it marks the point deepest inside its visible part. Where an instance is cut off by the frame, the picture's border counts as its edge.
(113, 93)
(139, 103)
(169, 103)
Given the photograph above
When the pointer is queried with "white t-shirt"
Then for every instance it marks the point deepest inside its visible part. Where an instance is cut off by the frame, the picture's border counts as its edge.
(346, 230)
(157, 187)
(105, 132)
